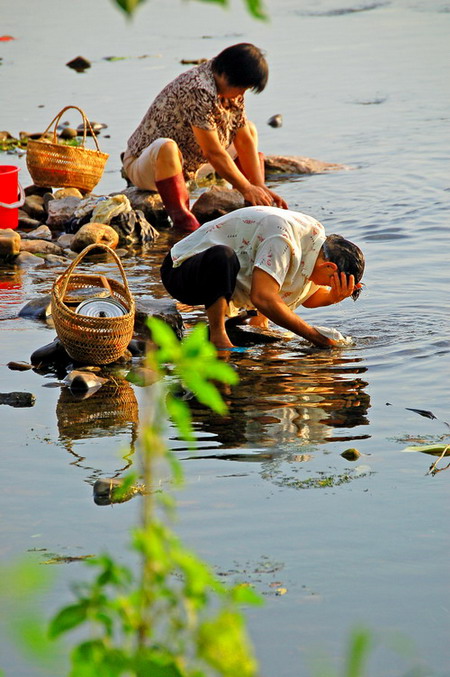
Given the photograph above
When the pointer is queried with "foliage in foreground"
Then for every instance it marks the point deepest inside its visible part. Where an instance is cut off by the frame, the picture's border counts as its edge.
(254, 7)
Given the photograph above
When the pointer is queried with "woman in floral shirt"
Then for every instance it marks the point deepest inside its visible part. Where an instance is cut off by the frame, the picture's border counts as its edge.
(193, 121)
(263, 258)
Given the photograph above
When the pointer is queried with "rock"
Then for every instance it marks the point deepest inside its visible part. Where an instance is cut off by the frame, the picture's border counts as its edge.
(137, 348)
(41, 233)
(37, 309)
(150, 204)
(295, 164)
(15, 399)
(19, 366)
(34, 207)
(79, 64)
(37, 190)
(27, 222)
(67, 192)
(82, 382)
(107, 491)
(96, 128)
(55, 260)
(94, 233)
(244, 336)
(9, 243)
(275, 121)
(52, 353)
(64, 241)
(164, 309)
(68, 133)
(40, 247)
(28, 260)
(351, 454)
(216, 202)
(61, 211)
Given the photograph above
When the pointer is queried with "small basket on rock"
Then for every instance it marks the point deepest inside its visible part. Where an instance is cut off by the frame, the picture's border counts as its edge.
(92, 338)
(62, 166)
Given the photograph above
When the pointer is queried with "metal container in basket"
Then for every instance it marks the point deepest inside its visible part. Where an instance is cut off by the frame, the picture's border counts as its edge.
(93, 338)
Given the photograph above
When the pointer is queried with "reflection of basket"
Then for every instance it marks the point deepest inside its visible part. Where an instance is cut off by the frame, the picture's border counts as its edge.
(87, 339)
(113, 407)
(55, 164)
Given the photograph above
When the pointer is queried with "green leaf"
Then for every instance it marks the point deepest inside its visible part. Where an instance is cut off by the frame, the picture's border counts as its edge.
(435, 449)
(67, 619)
(255, 7)
(180, 414)
(128, 6)
(244, 594)
(360, 646)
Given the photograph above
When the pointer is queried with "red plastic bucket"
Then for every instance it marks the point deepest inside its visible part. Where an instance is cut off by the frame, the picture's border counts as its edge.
(11, 196)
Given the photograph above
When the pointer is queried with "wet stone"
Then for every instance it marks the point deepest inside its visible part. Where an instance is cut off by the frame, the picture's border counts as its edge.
(107, 491)
(164, 309)
(9, 243)
(17, 399)
(351, 454)
(19, 366)
(37, 309)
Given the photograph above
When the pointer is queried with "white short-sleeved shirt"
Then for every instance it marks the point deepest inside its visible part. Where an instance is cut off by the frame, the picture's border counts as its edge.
(283, 243)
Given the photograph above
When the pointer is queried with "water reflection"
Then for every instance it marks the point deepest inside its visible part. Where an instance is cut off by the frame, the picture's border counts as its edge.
(285, 401)
(110, 411)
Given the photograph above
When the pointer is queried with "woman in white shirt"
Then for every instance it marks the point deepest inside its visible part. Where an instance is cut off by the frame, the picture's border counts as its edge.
(263, 258)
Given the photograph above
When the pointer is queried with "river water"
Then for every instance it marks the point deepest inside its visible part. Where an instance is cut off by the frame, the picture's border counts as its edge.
(269, 499)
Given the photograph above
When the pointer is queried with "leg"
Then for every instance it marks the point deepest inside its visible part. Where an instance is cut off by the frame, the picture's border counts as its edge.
(208, 278)
(216, 320)
(171, 186)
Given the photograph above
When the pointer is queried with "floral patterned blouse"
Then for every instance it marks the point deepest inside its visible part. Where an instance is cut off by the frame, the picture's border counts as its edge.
(189, 100)
(285, 244)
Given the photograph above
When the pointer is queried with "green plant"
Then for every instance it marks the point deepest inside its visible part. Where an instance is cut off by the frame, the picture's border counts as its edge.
(173, 618)
(255, 7)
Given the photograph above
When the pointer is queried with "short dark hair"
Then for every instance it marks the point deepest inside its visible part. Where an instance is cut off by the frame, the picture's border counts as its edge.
(244, 65)
(347, 256)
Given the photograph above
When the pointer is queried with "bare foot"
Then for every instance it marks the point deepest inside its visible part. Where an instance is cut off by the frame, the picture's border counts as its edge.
(221, 342)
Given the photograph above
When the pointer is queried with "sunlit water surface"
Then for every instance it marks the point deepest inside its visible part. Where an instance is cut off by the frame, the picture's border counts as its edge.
(269, 499)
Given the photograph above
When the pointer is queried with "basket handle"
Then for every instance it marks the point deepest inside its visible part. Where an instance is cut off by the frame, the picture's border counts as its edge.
(65, 276)
(86, 124)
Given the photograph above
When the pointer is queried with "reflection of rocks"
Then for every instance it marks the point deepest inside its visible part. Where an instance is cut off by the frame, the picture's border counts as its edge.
(113, 408)
(111, 490)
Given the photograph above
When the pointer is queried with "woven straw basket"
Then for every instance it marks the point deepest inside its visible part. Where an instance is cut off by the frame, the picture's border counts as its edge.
(54, 164)
(92, 340)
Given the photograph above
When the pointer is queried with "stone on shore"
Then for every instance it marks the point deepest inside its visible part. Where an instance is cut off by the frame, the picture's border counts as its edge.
(149, 203)
(216, 202)
(67, 192)
(40, 247)
(9, 243)
(61, 211)
(296, 164)
(42, 232)
(164, 309)
(27, 222)
(94, 233)
(34, 207)
(37, 309)
(28, 260)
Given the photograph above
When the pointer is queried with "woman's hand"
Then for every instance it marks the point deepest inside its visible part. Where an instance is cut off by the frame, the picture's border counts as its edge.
(342, 286)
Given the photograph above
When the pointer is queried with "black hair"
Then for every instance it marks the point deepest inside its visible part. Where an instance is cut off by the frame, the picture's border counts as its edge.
(243, 65)
(347, 256)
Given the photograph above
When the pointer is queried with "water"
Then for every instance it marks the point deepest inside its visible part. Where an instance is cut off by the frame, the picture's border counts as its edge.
(366, 88)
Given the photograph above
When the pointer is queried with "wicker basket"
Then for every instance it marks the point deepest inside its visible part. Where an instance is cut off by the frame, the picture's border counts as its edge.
(92, 340)
(57, 165)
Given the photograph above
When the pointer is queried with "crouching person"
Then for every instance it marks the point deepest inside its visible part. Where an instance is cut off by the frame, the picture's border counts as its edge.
(263, 258)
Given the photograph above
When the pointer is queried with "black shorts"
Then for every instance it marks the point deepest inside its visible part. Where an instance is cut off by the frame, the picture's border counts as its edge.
(203, 278)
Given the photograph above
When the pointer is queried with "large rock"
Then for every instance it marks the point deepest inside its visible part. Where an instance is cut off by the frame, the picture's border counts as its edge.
(62, 193)
(41, 233)
(26, 221)
(164, 309)
(150, 204)
(216, 202)
(94, 233)
(37, 309)
(34, 207)
(9, 243)
(28, 260)
(61, 211)
(40, 247)
(296, 164)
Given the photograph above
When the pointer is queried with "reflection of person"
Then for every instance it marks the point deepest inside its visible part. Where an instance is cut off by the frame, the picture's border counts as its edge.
(266, 258)
(193, 121)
